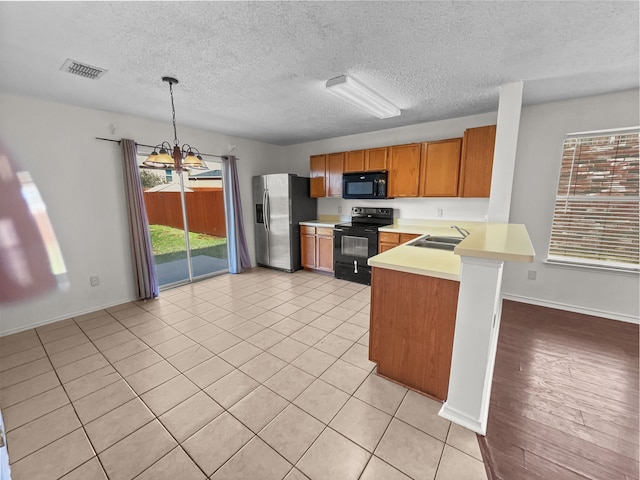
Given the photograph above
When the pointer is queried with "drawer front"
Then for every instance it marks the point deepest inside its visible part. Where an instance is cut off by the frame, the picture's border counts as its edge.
(325, 231)
(405, 237)
(388, 237)
(305, 229)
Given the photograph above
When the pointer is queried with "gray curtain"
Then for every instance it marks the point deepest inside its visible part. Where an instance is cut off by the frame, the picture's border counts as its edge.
(236, 239)
(144, 267)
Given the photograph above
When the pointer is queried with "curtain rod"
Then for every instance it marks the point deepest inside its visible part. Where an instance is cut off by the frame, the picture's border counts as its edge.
(151, 146)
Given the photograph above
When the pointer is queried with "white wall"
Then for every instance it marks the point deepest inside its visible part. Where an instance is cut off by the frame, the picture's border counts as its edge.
(542, 130)
(473, 209)
(81, 181)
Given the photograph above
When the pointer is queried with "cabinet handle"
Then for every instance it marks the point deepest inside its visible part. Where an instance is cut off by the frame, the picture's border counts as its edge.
(355, 266)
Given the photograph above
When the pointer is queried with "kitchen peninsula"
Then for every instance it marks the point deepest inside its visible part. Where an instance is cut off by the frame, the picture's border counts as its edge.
(435, 314)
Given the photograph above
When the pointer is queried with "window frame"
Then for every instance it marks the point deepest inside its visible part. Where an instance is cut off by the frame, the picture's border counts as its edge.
(556, 259)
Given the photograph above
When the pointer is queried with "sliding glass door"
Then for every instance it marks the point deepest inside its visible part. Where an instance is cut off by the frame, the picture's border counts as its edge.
(186, 222)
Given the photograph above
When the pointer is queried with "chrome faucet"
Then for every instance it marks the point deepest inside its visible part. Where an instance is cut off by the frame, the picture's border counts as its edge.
(462, 231)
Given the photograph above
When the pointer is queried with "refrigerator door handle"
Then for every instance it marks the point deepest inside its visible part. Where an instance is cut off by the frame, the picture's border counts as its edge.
(267, 204)
(265, 215)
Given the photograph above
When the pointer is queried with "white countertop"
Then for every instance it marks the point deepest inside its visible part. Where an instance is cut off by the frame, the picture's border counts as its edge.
(328, 221)
(509, 242)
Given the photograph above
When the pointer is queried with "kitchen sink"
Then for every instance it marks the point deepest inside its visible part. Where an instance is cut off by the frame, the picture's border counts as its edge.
(441, 243)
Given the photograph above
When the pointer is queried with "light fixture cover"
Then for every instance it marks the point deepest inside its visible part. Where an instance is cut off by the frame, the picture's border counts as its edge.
(360, 96)
(192, 162)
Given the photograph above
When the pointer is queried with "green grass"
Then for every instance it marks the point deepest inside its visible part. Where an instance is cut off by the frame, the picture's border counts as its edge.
(166, 240)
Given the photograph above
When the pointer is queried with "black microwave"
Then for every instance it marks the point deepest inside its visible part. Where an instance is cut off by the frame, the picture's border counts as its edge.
(364, 185)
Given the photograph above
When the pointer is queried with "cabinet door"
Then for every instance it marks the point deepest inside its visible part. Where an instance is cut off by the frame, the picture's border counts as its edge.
(335, 165)
(318, 172)
(354, 161)
(389, 237)
(405, 237)
(308, 247)
(383, 247)
(413, 320)
(440, 168)
(404, 171)
(376, 159)
(477, 161)
(324, 247)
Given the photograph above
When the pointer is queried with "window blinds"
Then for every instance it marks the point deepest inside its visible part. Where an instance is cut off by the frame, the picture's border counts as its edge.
(596, 215)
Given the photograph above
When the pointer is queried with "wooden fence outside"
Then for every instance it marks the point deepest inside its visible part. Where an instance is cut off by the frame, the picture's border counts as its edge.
(205, 210)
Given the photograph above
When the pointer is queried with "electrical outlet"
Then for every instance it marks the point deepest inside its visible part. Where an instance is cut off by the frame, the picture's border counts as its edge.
(94, 280)
(531, 274)
(439, 212)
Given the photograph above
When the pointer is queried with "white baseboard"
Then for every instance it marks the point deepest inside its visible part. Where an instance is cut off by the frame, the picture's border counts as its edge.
(40, 323)
(572, 308)
(456, 416)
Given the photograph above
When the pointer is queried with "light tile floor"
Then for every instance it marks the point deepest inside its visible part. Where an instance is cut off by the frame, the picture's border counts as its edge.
(263, 375)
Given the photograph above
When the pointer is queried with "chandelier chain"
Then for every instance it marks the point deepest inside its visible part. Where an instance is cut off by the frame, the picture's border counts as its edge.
(173, 112)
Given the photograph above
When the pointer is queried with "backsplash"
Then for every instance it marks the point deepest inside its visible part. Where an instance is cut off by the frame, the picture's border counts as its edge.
(469, 209)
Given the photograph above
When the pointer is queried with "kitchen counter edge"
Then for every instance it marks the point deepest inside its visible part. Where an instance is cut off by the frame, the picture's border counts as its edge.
(493, 241)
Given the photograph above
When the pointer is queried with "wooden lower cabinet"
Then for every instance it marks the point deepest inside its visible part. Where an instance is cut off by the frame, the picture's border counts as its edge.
(308, 247)
(412, 326)
(324, 249)
(316, 248)
(388, 240)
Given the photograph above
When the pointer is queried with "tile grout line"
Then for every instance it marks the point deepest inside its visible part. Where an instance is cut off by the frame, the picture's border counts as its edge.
(95, 454)
(108, 361)
(200, 389)
(261, 383)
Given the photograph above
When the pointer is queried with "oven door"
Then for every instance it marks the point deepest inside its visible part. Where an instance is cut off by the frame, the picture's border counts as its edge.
(352, 248)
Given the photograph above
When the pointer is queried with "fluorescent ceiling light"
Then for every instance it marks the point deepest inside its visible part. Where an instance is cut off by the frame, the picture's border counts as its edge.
(357, 94)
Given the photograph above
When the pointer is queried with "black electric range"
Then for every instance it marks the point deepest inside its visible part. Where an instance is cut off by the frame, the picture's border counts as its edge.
(356, 241)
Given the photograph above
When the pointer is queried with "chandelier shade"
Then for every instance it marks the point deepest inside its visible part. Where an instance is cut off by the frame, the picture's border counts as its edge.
(177, 158)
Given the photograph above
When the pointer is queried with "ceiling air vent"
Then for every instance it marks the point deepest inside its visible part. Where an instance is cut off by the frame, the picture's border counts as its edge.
(82, 69)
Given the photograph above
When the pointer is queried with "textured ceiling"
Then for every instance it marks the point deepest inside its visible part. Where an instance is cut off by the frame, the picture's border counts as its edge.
(257, 69)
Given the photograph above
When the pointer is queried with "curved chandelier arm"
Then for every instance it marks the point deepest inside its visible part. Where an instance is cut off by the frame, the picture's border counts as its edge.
(192, 158)
(160, 157)
(187, 149)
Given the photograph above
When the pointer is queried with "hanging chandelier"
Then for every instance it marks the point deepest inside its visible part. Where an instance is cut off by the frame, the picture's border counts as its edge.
(181, 158)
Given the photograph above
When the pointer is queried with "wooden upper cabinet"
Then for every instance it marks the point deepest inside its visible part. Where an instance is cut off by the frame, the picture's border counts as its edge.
(335, 167)
(376, 159)
(404, 171)
(440, 168)
(369, 160)
(318, 172)
(477, 161)
(354, 161)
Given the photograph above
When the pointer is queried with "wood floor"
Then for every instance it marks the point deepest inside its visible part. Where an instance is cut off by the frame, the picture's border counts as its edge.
(564, 402)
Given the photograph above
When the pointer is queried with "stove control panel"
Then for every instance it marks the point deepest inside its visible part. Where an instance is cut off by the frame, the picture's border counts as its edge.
(374, 215)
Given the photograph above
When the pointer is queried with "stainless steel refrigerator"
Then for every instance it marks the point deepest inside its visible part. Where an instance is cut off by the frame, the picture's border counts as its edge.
(280, 201)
